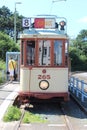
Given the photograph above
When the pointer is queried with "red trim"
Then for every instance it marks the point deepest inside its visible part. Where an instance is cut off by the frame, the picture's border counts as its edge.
(63, 53)
(36, 53)
(30, 67)
(52, 52)
(44, 95)
(24, 54)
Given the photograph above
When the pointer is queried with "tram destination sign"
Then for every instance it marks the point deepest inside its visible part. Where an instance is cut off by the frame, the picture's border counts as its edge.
(44, 22)
(48, 23)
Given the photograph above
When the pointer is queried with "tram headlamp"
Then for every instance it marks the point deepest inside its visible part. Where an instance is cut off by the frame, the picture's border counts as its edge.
(62, 24)
(44, 84)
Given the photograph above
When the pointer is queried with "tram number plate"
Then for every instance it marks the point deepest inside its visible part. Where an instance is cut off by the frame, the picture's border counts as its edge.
(44, 77)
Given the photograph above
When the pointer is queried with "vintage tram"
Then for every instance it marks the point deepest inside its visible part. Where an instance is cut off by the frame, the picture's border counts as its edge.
(44, 58)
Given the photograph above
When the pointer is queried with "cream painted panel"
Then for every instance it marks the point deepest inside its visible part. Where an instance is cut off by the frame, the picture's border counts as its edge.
(58, 81)
(24, 79)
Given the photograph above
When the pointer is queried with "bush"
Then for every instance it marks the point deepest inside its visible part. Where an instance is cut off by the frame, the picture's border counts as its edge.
(2, 71)
(2, 65)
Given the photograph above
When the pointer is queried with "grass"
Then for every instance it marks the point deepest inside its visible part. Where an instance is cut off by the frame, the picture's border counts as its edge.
(32, 118)
(13, 114)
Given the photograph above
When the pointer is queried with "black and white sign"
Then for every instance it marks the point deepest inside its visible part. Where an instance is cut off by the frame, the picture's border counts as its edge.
(26, 22)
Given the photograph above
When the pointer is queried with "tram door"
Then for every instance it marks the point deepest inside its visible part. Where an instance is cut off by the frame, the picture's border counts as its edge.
(16, 57)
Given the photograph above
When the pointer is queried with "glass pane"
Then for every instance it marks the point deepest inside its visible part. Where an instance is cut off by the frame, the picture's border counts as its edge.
(66, 53)
(22, 57)
(30, 52)
(44, 52)
(57, 52)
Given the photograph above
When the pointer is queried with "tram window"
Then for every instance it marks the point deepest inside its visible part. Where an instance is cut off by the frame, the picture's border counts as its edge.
(66, 53)
(44, 52)
(30, 52)
(22, 53)
(57, 52)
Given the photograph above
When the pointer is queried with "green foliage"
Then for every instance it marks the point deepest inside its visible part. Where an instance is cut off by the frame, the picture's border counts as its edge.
(2, 71)
(32, 118)
(6, 44)
(2, 65)
(82, 34)
(12, 114)
(7, 21)
(1, 81)
(78, 52)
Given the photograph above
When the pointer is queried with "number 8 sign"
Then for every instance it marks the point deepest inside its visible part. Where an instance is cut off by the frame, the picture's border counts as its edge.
(26, 22)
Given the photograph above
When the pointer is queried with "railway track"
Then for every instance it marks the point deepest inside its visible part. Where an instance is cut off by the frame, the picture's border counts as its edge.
(17, 127)
(67, 121)
(58, 115)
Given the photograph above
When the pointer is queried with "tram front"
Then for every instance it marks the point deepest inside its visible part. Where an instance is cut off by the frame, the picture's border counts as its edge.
(44, 62)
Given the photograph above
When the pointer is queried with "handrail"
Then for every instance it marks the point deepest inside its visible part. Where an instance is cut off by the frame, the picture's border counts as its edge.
(78, 87)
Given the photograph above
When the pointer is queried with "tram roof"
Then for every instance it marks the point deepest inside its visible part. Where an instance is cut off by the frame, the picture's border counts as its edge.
(43, 33)
(44, 26)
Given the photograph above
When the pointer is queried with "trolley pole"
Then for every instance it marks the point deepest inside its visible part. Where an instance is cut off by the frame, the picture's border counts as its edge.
(53, 1)
(58, 0)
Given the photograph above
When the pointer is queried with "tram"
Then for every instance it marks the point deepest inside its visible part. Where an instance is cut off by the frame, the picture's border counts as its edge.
(44, 59)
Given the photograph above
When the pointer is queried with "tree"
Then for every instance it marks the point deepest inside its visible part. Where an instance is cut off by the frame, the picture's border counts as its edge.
(82, 45)
(7, 21)
(78, 52)
(6, 44)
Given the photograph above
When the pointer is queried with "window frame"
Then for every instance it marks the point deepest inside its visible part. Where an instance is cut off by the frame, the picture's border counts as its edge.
(51, 52)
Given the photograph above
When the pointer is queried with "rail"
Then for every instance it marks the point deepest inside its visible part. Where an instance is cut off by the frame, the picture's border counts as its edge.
(78, 87)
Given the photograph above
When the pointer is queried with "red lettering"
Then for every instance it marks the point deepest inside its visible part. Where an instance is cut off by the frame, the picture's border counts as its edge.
(48, 76)
(44, 77)
(39, 76)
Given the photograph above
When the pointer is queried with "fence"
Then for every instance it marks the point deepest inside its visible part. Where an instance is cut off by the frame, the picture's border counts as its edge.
(78, 87)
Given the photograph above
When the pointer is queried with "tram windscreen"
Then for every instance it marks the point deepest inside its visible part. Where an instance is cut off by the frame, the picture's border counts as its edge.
(57, 52)
(44, 52)
(30, 52)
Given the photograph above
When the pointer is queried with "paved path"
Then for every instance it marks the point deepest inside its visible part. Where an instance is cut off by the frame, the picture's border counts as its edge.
(7, 95)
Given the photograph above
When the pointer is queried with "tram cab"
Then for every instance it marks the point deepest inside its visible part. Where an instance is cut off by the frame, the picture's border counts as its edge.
(44, 59)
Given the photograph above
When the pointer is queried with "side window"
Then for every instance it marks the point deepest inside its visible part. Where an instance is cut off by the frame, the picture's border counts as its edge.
(57, 52)
(66, 53)
(22, 53)
(30, 52)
